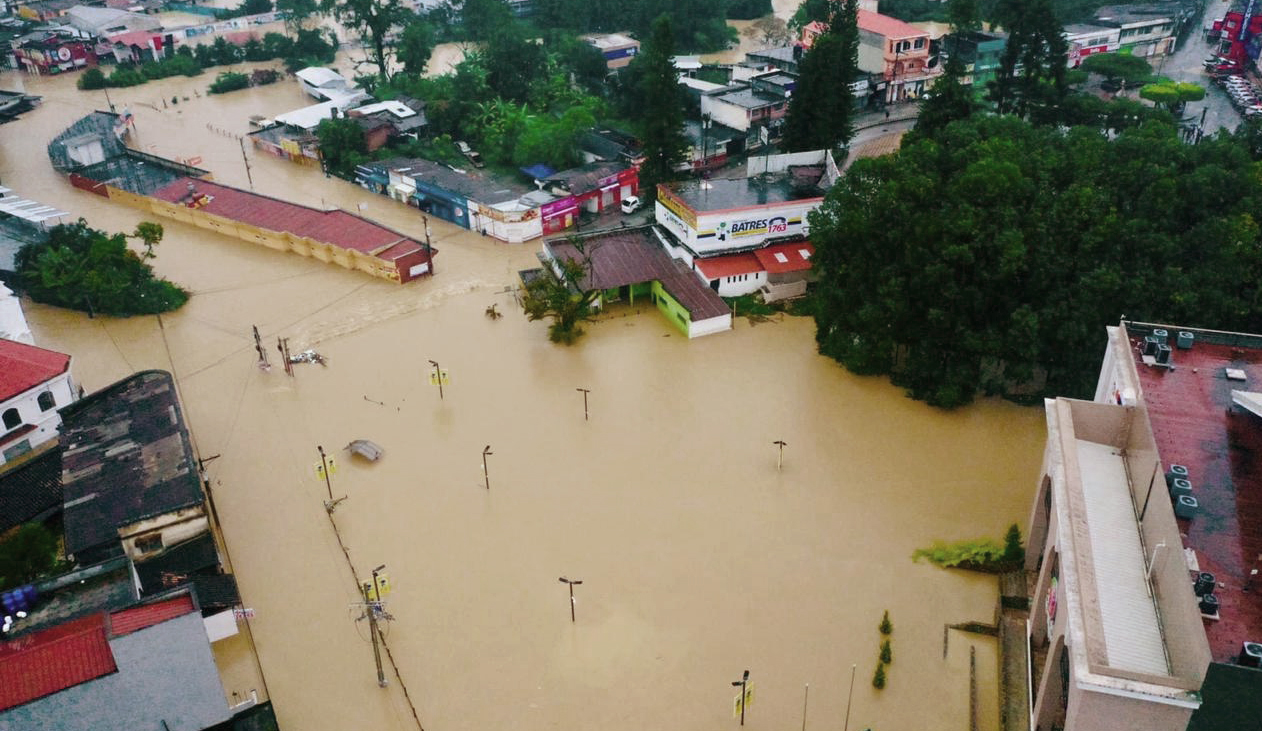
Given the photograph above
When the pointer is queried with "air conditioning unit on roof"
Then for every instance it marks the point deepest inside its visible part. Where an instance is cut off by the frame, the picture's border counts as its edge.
(1251, 655)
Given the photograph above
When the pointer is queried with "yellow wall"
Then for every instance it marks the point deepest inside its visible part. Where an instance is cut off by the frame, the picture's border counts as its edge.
(279, 240)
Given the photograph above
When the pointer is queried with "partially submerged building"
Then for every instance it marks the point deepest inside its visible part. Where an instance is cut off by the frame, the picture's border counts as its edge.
(92, 153)
(630, 264)
(1145, 537)
(34, 384)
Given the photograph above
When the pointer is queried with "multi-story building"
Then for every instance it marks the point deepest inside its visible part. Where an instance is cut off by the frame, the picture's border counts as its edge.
(617, 48)
(1145, 539)
(1143, 30)
(1085, 39)
(980, 52)
(899, 52)
(34, 384)
(756, 107)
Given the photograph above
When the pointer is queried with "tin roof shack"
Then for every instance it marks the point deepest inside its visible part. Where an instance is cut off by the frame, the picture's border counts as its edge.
(629, 263)
(146, 666)
(129, 476)
(34, 384)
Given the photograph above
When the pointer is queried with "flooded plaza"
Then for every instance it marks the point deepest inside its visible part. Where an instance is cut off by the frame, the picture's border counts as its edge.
(699, 558)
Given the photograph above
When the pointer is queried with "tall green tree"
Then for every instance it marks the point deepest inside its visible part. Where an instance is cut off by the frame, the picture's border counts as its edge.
(372, 21)
(989, 258)
(821, 110)
(1030, 81)
(342, 145)
(564, 295)
(951, 99)
(296, 12)
(416, 45)
(1129, 70)
(661, 118)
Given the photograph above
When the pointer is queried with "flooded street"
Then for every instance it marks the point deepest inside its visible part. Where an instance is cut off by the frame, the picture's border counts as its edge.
(698, 557)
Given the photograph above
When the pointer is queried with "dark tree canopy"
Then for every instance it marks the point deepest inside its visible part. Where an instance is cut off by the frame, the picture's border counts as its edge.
(1128, 69)
(661, 119)
(341, 145)
(989, 259)
(821, 111)
(1030, 81)
(81, 268)
(416, 45)
(372, 20)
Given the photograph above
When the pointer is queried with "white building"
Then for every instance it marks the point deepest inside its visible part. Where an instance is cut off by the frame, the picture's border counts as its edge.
(323, 84)
(34, 384)
(12, 322)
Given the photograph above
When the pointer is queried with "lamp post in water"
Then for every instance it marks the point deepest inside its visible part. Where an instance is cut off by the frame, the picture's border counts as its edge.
(324, 467)
(780, 458)
(572, 583)
(438, 378)
(585, 392)
(486, 452)
(742, 683)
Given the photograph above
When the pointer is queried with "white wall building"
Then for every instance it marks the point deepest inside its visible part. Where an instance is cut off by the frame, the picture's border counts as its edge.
(34, 384)
(12, 322)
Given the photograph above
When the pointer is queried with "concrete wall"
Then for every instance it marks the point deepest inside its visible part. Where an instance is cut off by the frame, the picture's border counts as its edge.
(1090, 711)
(174, 528)
(279, 240)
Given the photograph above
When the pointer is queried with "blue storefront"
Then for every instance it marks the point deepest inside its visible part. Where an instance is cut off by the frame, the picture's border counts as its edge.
(441, 203)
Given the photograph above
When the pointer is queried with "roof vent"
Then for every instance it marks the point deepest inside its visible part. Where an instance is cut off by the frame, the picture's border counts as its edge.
(1251, 655)
(1209, 605)
(1185, 507)
(1204, 583)
(1176, 472)
(1180, 487)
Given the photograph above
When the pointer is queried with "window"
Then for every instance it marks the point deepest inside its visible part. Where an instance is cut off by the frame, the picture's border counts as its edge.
(12, 419)
(149, 544)
(920, 43)
(46, 401)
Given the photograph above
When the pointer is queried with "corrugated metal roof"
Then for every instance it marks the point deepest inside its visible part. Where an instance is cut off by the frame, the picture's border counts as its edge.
(790, 257)
(23, 367)
(1132, 634)
(728, 266)
(336, 227)
(50, 661)
(133, 619)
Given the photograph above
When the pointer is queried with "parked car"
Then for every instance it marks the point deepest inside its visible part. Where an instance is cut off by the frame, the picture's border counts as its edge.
(470, 154)
(631, 204)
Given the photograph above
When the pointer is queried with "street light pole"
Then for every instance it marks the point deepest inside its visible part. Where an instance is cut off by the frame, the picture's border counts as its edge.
(741, 684)
(572, 584)
(486, 452)
(438, 376)
(780, 458)
(585, 392)
(850, 697)
(324, 467)
(429, 251)
(372, 608)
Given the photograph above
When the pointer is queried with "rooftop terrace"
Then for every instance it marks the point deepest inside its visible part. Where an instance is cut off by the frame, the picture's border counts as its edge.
(721, 194)
(1194, 424)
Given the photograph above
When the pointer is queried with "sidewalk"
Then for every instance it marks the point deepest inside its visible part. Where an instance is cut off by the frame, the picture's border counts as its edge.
(897, 113)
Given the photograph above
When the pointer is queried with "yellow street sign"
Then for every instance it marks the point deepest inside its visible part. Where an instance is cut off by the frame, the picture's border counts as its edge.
(319, 469)
(433, 378)
(376, 593)
(749, 700)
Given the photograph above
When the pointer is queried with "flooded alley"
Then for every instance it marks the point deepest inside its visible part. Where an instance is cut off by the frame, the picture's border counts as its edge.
(699, 558)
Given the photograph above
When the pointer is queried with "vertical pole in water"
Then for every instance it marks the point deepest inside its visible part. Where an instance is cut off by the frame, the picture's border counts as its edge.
(248, 176)
(372, 628)
(324, 467)
(486, 475)
(780, 458)
(585, 392)
(806, 696)
(850, 697)
(438, 376)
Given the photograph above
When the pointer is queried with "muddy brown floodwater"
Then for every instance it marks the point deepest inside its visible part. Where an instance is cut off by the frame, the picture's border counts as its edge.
(699, 558)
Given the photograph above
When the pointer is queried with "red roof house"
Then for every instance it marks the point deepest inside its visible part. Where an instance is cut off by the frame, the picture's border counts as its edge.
(53, 660)
(23, 367)
(34, 384)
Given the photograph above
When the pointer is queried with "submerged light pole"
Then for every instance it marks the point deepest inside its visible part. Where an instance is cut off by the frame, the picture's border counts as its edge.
(585, 392)
(572, 583)
(373, 605)
(438, 377)
(486, 452)
(742, 683)
(324, 468)
(780, 458)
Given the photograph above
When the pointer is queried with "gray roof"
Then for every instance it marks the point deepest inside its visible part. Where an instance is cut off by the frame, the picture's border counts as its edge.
(31, 491)
(97, 20)
(1126, 14)
(166, 679)
(585, 178)
(747, 97)
(472, 184)
(126, 457)
(721, 194)
(102, 587)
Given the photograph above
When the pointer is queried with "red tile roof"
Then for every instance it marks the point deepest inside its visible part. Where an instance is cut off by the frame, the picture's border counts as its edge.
(891, 28)
(731, 265)
(781, 258)
(336, 227)
(133, 619)
(46, 662)
(1194, 424)
(23, 367)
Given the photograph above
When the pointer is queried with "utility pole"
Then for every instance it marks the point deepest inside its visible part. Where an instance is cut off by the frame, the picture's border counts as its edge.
(372, 608)
(585, 392)
(429, 249)
(850, 697)
(258, 346)
(248, 176)
(486, 452)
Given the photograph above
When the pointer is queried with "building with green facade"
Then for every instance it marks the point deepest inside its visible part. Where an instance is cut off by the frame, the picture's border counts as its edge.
(631, 265)
(980, 51)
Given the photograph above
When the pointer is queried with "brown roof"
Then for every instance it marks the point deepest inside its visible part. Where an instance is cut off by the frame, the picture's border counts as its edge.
(633, 256)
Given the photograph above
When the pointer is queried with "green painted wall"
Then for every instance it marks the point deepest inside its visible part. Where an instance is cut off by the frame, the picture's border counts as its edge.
(674, 311)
